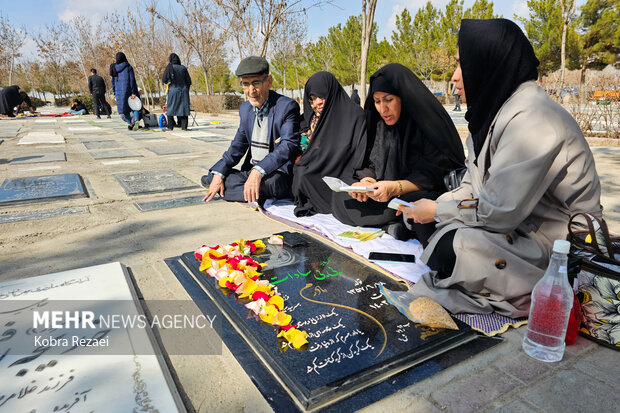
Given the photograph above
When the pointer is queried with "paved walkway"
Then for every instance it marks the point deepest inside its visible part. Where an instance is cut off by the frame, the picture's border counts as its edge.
(110, 228)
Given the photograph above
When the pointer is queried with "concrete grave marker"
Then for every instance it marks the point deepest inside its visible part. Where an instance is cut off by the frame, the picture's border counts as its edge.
(96, 139)
(45, 187)
(192, 134)
(45, 121)
(85, 129)
(48, 213)
(34, 138)
(40, 158)
(148, 182)
(107, 144)
(213, 139)
(114, 153)
(170, 149)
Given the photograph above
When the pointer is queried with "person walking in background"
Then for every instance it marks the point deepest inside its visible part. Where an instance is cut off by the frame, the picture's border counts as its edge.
(178, 80)
(457, 98)
(96, 87)
(124, 86)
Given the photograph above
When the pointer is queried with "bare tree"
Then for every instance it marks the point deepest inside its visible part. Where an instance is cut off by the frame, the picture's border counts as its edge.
(256, 21)
(52, 47)
(84, 44)
(368, 17)
(199, 28)
(568, 11)
(287, 41)
(11, 42)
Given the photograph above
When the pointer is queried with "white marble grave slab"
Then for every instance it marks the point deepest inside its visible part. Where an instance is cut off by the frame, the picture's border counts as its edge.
(50, 378)
(45, 121)
(84, 128)
(34, 138)
(42, 132)
(197, 134)
(74, 120)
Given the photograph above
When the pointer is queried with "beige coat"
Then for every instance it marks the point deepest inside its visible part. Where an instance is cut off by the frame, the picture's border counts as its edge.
(541, 171)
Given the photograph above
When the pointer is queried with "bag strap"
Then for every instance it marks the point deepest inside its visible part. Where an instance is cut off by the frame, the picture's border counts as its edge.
(590, 219)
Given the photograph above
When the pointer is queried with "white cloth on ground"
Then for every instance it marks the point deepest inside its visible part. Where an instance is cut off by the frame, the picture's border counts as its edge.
(329, 226)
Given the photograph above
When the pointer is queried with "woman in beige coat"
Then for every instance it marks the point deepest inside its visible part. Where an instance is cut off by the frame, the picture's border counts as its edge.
(529, 169)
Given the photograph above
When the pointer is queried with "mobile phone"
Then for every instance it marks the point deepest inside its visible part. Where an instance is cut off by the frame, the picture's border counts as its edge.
(390, 256)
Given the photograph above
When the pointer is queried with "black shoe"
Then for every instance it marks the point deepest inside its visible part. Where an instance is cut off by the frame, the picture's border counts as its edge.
(98, 117)
(109, 117)
(130, 126)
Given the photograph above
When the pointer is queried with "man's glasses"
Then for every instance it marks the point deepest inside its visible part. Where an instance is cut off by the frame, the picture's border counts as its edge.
(255, 83)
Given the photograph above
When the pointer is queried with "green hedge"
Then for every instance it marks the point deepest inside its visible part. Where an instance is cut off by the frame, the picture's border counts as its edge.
(87, 100)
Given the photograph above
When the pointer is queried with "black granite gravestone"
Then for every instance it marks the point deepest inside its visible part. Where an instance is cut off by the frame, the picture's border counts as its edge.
(356, 339)
(148, 182)
(46, 187)
(170, 203)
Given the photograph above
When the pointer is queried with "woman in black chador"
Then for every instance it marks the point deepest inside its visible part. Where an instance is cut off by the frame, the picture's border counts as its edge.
(336, 130)
(412, 144)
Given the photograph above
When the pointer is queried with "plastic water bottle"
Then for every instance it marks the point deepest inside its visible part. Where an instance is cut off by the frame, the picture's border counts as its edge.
(552, 301)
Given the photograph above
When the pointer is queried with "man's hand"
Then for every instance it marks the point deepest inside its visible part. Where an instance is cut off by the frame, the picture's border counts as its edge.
(252, 186)
(422, 212)
(360, 196)
(384, 191)
(216, 186)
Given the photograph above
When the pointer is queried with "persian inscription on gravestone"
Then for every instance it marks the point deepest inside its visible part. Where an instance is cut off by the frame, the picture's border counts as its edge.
(171, 203)
(148, 182)
(43, 369)
(355, 338)
(46, 187)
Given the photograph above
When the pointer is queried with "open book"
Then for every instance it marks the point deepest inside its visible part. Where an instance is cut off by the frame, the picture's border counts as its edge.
(397, 204)
(338, 185)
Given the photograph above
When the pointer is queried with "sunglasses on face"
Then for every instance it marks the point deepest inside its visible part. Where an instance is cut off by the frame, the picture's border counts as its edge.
(255, 83)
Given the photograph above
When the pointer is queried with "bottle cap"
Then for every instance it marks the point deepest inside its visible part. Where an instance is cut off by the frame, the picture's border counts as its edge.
(561, 246)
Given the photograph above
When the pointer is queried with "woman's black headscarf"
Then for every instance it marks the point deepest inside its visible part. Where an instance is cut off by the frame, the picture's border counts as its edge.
(120, 58)
(423, 146)
(336, 149)
(169, 72)
(496, 58)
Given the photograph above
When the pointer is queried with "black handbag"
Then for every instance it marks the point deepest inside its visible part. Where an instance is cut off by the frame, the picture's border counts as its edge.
(454, 178)
(596, 255)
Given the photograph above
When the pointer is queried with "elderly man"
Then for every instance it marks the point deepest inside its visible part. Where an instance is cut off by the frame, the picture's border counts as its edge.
(268, 135)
